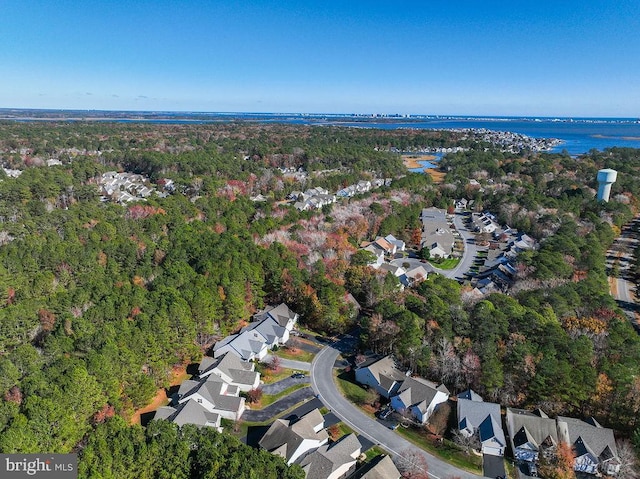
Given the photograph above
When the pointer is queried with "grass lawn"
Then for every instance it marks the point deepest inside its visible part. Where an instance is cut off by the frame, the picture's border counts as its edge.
(295, 354)
(271, 398)
(375, 451)
(352, 391)
(269, 376)
(448, 263)
(446, 451)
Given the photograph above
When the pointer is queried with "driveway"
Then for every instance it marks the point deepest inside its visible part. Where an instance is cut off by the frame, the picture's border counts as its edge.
(493, 466)
(322, 382)
(278, 407)
(286, 383)
(289, 363)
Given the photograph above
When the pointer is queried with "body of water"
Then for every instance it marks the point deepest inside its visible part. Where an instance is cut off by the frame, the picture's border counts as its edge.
(578, 136)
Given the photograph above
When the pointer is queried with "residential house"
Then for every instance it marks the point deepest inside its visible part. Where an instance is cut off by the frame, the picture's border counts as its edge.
(381, 374)
(471, 395)
(399, 244)
(246, 345)
(530, 433)
(384, 245)
(594, 446)
(397, 271)
(381, 467)
(281, 314)
(483, 224)
(271, 327)
(414, 276)
(363, 186)
(377, 252)
(437, 236)
(332, 461)
(232, 370)
(482, 418)
(419, 398)
(214, 395)
(293, 438)
(190, 412)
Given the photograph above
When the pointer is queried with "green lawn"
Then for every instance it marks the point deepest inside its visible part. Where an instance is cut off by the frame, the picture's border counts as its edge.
(447, 451)
(374, 452)
(352, 391)
(271, 398)
(448, 263)
(299, 355)
(269, 376)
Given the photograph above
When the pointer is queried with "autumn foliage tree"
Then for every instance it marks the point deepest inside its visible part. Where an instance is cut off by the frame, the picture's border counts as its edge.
(557, 463)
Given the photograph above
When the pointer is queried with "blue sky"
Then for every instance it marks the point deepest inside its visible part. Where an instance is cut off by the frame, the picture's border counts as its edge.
(551, 58)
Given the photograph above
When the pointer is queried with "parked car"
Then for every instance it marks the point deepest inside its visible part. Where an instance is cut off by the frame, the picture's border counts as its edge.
(298, 375)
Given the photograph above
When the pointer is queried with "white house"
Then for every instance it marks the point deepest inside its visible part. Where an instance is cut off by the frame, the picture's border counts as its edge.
(419, 397)
(248, 346)
(190, 412)
(399, 244)
(332, 461)
(214, 395)
(271, 327)
(381, 374)
(293, 438)
(593, 445)
(530, 433)
(232, 370)
(482, 418)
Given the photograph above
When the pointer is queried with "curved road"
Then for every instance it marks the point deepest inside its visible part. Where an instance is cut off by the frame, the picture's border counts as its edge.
(323, 384)
(468, 254)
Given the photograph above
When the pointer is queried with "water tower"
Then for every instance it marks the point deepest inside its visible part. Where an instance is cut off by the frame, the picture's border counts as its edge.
(606, 178)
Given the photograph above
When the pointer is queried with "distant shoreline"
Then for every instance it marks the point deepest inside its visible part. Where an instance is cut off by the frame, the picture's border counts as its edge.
(411, 162)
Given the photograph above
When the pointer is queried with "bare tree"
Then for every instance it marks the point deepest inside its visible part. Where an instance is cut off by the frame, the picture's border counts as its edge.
(629, 467)
(465, 440)
(412, 465)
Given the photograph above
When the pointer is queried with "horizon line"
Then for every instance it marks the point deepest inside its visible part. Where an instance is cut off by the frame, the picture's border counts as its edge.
(372, 115)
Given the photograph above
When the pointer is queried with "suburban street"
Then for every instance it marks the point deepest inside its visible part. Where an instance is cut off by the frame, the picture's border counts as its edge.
(620, 258)
(323, 384)
(469, 253)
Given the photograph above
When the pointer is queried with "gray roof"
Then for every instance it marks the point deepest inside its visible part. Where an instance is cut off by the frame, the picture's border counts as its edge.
(419, 392)
(211, 390)
(379, 468)
(435, 229)
(240, 372)
(245, 344)
(285, 436)
(528, 427)
(164, 412)
(281, 314)
(385, 371)
(189, 412)
(267, 328)
(193, 413)
(587, 437)
(471, 395)
(483, 417)
(326, 459)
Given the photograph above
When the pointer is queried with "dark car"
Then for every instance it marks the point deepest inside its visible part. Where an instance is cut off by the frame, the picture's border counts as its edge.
(298, 375)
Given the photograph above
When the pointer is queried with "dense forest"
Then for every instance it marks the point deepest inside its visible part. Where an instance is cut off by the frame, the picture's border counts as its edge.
(99, 301)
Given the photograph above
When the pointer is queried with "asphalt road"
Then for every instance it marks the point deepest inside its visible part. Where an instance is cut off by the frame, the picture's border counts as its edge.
(469, 253)
(323, 385)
